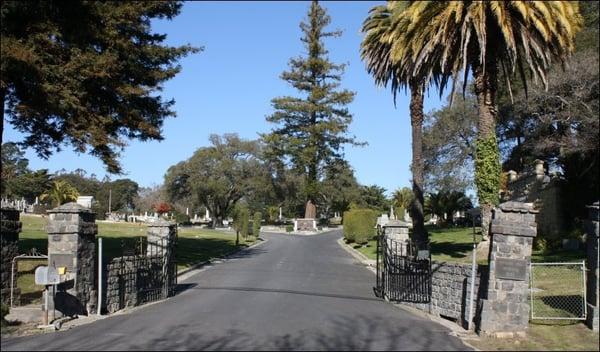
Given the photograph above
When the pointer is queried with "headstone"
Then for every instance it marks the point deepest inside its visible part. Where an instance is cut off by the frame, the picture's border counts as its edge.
(311, 211)
(85, 201)
(592, 283)
(505, 312)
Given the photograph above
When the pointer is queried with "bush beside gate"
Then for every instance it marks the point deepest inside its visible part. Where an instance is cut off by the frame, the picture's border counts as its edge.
(359, 225)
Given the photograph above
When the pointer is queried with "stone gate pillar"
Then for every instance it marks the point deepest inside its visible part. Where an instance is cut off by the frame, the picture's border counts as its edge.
(593, 301)
(505, 312)
(396, 231)
(9, 240)
(161, 238)
(72, 233)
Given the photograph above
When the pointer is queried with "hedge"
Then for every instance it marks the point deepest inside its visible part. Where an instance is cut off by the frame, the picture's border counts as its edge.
(359, 225)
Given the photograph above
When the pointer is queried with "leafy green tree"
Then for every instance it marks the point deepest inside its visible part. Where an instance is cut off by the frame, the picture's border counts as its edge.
(312, 128)
(217, 176)
(445, 203)
(86, 73)
(30, 184)
(373, 197)
(339, 188)
(449, 138)
(60, 193)
(560, 126)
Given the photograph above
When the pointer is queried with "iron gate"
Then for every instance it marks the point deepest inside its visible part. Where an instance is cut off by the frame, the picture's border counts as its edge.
(145, 272)
(403, 272)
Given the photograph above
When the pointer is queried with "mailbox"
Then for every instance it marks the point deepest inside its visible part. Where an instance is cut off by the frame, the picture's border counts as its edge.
(45, 275)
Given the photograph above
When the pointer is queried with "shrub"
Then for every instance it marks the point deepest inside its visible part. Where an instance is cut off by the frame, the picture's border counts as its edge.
(181, 218)
(241, 219)
(359, 225)
(289, 228)
(256, 224)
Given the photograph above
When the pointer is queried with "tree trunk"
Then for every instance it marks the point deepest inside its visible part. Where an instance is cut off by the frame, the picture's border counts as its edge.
(416, 121)
(485, 89)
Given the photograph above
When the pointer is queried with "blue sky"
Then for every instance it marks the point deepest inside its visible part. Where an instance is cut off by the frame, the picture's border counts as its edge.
(228, 88)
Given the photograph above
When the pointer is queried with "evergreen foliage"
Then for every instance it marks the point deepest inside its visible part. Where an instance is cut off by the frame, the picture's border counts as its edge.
(86, 74)
(312, 128)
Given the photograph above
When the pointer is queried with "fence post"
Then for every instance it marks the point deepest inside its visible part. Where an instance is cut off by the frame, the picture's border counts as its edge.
(505, 312)
(9, 241)
(593, 233)
(99, 275)
(72, 233)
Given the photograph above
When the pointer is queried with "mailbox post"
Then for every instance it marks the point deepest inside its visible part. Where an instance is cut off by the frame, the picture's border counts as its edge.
(47, 276)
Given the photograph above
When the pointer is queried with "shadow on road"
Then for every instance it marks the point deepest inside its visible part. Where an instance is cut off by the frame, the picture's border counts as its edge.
(304, 293)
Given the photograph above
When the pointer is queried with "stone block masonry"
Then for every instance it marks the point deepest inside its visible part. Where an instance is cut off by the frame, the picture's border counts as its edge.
(72, 233)
(9, 240)
(505, 310)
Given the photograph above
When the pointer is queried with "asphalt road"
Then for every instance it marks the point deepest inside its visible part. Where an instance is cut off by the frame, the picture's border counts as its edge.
(290, 293)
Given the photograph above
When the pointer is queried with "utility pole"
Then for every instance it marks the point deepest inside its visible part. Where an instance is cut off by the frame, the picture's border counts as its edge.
(109, 199)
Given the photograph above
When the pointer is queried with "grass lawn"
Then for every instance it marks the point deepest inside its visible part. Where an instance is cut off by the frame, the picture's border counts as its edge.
(570, 336)
(456, 244)
(447, 245)
(193, 245)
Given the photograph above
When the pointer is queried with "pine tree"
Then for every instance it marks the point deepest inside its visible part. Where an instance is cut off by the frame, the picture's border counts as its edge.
(312, 128)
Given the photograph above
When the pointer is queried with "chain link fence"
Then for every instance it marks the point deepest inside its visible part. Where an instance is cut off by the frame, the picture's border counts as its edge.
(558, 291)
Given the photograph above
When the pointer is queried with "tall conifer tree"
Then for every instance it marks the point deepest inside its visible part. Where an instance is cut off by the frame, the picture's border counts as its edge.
(312, 128)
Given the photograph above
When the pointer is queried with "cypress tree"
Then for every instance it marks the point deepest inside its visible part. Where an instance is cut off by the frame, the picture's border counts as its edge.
(86, 73)
(312, 128)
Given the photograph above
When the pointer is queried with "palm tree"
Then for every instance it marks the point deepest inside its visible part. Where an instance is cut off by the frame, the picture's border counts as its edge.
(403, 197)
(486, 38)
(60, 193)
(384, 28)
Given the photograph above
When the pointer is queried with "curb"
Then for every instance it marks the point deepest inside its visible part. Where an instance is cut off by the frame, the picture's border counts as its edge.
(357, 255)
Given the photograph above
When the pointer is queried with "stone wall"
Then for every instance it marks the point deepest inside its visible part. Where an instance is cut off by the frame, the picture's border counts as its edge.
(450, 291)
(9, 240)
(534, 186)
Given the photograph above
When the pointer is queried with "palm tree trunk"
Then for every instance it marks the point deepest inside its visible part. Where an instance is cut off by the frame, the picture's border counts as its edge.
(485, 89)
(416, 122)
